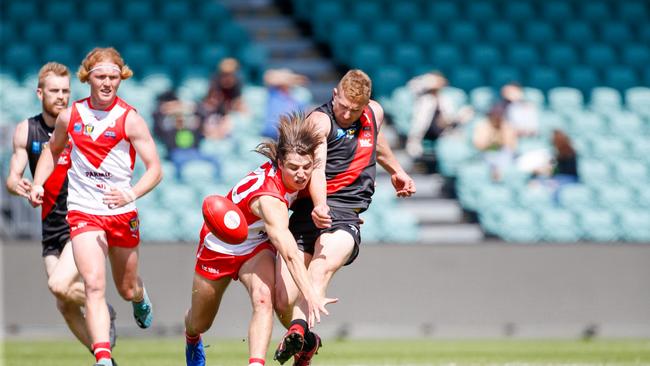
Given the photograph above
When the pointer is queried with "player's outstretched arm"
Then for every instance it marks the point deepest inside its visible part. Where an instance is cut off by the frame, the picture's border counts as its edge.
(276, 221)
(49, 156)
(16, 184)
(138, 134)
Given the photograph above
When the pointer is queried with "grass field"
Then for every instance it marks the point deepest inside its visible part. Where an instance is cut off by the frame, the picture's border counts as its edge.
(170, 352)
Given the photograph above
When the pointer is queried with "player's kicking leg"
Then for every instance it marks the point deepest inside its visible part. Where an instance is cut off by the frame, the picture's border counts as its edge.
(124, 263)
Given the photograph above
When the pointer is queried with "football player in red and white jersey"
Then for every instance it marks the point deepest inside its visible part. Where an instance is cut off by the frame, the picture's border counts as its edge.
(106, 134)
(263, 196)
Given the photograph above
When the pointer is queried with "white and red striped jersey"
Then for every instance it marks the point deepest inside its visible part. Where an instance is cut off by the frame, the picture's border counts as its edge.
(102, 156)
(263, 181)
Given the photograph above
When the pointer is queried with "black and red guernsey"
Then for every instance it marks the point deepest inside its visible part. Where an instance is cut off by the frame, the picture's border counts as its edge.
(351, 160)
(54, 208)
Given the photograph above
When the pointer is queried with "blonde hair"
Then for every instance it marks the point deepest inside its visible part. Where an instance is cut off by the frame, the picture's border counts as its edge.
(294, 136)
(356, 86)
(98, 55)
(51, 68)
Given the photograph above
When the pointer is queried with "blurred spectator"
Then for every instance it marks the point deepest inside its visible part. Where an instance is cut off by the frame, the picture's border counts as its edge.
(562, 169)
(224, 94)
(434, 113)
(280, 84)
(497, 140)
(522, 115)
(180, 129)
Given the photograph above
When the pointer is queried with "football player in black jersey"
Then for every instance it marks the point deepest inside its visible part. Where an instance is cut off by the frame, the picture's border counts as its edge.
(326, 221)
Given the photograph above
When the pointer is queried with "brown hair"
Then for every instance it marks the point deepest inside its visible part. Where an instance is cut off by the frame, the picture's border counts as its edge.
(562, 144)
(98, 55)
(356, 86)
(51, 68)
(294, 136)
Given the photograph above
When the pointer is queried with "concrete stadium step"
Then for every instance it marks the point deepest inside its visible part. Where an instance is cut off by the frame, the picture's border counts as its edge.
(270, 28)
(433, 211)
(287, 48)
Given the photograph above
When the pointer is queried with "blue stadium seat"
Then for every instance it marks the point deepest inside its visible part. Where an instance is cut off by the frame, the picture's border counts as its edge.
(616, 33)
(632, 172)
(61, 11)
(442, 12)
(564, 99)
(404, 12)
(463, 32)
(599, 55)
(20, 57)
(502, 74)
(232, 34)
(518, 225)
(519, 11)
(522, 55)
(212, 11)
(136, 11)
(557, 11)
(466, 77)
(172, 10)
(561, 55)
(367, 56)
(443, 56)
(608, 149)
(635, 224)
(386, 79)
(594, 12)
(501, 33)
(138, 56)
(484, 56)
(576, 196)
(594, 172)
(366, 10)
(586, 123)
(198, 171)
(158, 225)
(583, 78)
(22, 12)
(195, 33)
(482, 98)
(212, 54)
(480, 11)
(632, 12)
(534, 198)
(621, 77)
(538, 32)
(117, 33)
(176, 54)
(386, 33)
(543, 78)
(637, 99)
(155, 33)
(424, 33)
(39, 33)
(605, 99)
(347, 33)
(408, 56)
(577, 33)
(61, 52)
(558, 225)
(626, 124)
(598, 225)
(96, 11)
(635, 55)
(79, 33)
(327, 12)
(494, 195)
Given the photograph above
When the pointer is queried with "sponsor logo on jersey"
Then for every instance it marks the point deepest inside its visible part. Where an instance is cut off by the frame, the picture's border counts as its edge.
(365, 143)
(88, 129)
(339, 134)
(106, 175)
(79, 226)
(63, 160)
(209, 269)
(77, 127)
(36, 147)
(351, 132)
(134, 224)
(110, 134)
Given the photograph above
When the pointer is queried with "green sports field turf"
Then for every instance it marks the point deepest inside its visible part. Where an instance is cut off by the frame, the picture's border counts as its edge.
(170, 352)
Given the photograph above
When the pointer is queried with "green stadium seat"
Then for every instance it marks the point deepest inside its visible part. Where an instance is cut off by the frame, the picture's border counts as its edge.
(444, 56)
(501, 33)
(522, 55)
(424, 33)
(136, 11)
(558, 225)
(605, 99)
(117, 33)
(442, 12)
(463, 32)
(519, 12)
(594, 12)
(561, 55)
(556, 11)
(597, 225)
(404, 12)
(484, 56)
(565, 99)
(583, 78)
(637, 99)
(172, 10)
(616, 33)
(635, 224)
(538, 32)
(621, 77)
(577, 33)
(543, 78)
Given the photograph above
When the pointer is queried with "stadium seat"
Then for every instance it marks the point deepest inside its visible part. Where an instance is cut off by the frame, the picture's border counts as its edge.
(480, 11)
(39, 33)
(484, 56)
(600, 55)
(61, 52)
(443, 56)
(594, 172)
(538, 32)
(564, 99)
(408, 56)
(386, 33)
(21, 12)
(637, 99)
(518, 225)
(424, 33)
(632, 172)
(155, 33)
(624, 124)
(522, 55)
(138, 56)
(608, 149)
(635, 224)
(135, 11)
(212, 12)
(576, 196)
(79, 34)
(18, 55)
(557, 11)
(519, 12)
(172, 10)
(615, 197)
(327, 13)
(632, 12)
(61, 11)
(500, 75)
(558, 225)
(635, 55)
(404, 12)
(561, 55)
(594, 12)
(577, 33)
(195, 33)
(535, 95)
(466, 77)
(366, 10)
(616, 33)
(621, 77)
(198, 171)
(451, 155)
(158, 225)
(212, 54)
(117, 33)
(346, 34)
(189, 224)
(232, 34)
(534, 198)
(494, 195)
(96, 11)
(543, 78)
(367, 56)
(482, 98)
(443, 12)
(583, 78)
(463, 32)
(605, 99)
(386, 79)
(501, 33)
(597, 225)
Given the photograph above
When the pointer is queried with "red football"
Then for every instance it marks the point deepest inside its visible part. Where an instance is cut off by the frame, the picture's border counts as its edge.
(224, 219)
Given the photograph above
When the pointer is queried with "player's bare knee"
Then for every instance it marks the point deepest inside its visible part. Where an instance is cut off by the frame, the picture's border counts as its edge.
(262, 298)
(59, 288)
